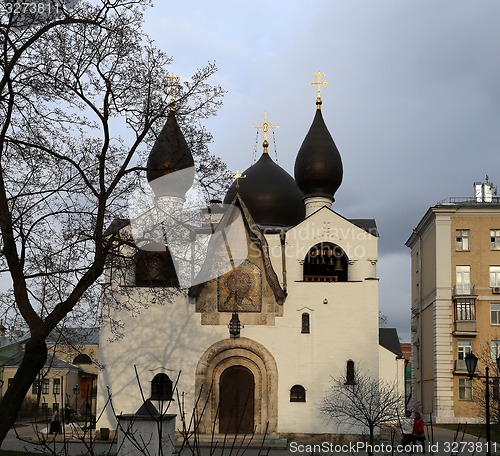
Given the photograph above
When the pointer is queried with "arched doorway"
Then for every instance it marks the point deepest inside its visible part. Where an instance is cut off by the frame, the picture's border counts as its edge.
(218, 362)
(237, 395)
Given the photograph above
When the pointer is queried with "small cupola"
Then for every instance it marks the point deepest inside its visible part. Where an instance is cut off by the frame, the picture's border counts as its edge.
(170, 156)
(318, 166)
(269, 192)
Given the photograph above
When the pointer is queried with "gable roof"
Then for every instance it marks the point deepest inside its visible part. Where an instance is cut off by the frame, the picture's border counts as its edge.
(389, 339)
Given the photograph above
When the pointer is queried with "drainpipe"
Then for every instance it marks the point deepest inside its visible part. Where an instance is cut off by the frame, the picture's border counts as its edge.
(283, 258)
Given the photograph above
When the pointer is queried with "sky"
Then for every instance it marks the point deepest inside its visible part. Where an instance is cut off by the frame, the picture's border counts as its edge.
(413, 99)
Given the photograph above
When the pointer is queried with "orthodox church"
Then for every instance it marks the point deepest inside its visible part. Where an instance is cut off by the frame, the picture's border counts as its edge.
(279, 297)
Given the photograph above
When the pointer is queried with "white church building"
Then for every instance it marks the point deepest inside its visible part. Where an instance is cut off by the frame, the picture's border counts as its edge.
(278, 295)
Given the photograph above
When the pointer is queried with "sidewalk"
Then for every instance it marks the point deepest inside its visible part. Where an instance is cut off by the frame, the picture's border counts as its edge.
(443, 443)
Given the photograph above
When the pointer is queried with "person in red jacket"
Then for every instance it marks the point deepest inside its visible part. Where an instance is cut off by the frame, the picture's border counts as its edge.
(418, 434)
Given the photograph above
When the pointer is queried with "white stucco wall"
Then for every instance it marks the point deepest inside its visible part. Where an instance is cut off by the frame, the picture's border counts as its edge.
(168, 337)
(392, 370)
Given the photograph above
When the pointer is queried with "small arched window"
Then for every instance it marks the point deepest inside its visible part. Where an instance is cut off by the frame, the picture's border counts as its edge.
(326, 262)
(82, 358)
(161, 388)
(297, 394)
(154, 267)
(306, 324)
(350, 378)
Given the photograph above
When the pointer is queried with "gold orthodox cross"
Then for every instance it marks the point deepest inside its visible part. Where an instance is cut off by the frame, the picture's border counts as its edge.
(173, 85)
(237, 175)
(265, 127)
(319, 83)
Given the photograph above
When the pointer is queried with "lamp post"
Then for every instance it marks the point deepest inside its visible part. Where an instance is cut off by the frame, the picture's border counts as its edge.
(471, 364)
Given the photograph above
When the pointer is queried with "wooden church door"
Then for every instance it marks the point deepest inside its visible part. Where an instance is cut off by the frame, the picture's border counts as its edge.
(236, 412)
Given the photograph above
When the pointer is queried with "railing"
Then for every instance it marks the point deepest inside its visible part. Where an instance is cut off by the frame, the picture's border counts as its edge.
(463, 290)
(468, 200)
(319, 278)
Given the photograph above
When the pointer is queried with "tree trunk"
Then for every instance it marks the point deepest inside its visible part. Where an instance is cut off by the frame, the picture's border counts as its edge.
(372, 440)
(34, 359)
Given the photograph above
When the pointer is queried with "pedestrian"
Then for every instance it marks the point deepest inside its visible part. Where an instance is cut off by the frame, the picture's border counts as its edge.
(418, 432)
(55, 425)
(67, 414)
(407, 428)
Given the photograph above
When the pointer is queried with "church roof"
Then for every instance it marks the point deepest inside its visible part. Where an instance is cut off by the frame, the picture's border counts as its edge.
(318, 166)
(170, 153)
(369, 225)
(270, 194)
(389, 339)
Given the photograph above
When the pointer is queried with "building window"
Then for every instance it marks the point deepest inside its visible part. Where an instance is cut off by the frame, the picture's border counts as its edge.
(464, 348)
(463, 280)
(297, 394)
(306, 327)
(35, 389)
(326, 262)
(462, 241)
(465, 389)
(82, 358)
(45, 387)
(495, 390)
(495, 350)
(154, 267)
(495, 313)
(495, 239)
(161, 388)
(56, 387)
(465, 309)
(350, 378)
(55, 406)
(494, 276)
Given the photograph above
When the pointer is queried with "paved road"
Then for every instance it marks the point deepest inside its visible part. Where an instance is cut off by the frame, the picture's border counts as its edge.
(443, 443)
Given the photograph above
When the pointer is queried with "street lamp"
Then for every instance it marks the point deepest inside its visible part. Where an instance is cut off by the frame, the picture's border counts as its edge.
(471, 364)
(234, 326)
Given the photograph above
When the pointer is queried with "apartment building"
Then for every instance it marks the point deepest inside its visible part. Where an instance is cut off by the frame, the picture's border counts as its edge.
(455, 299)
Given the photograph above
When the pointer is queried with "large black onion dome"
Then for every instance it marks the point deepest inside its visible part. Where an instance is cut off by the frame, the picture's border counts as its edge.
(270, 194)
(170, 153)
(318, 166)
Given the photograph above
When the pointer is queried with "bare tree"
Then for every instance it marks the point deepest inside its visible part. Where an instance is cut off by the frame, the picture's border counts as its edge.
(83, 92)
(365, 401)
(487, 353)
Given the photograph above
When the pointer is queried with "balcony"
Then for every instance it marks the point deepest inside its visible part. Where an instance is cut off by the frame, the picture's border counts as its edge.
(464, 290)
(460, 367)
(465, 328)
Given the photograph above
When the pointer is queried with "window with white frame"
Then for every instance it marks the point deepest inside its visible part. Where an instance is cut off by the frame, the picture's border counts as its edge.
(465, 310)
(56, 386)
(495, 313)
(495, 350)
(465, 389)
(494, 276)
(495, 239)
(464, 348)
(462, 243)
(463, 279)
(45, 387)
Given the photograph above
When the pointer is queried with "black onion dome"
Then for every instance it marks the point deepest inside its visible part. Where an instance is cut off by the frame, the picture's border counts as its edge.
(170, 153)
(318, 166)
(270, 193)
